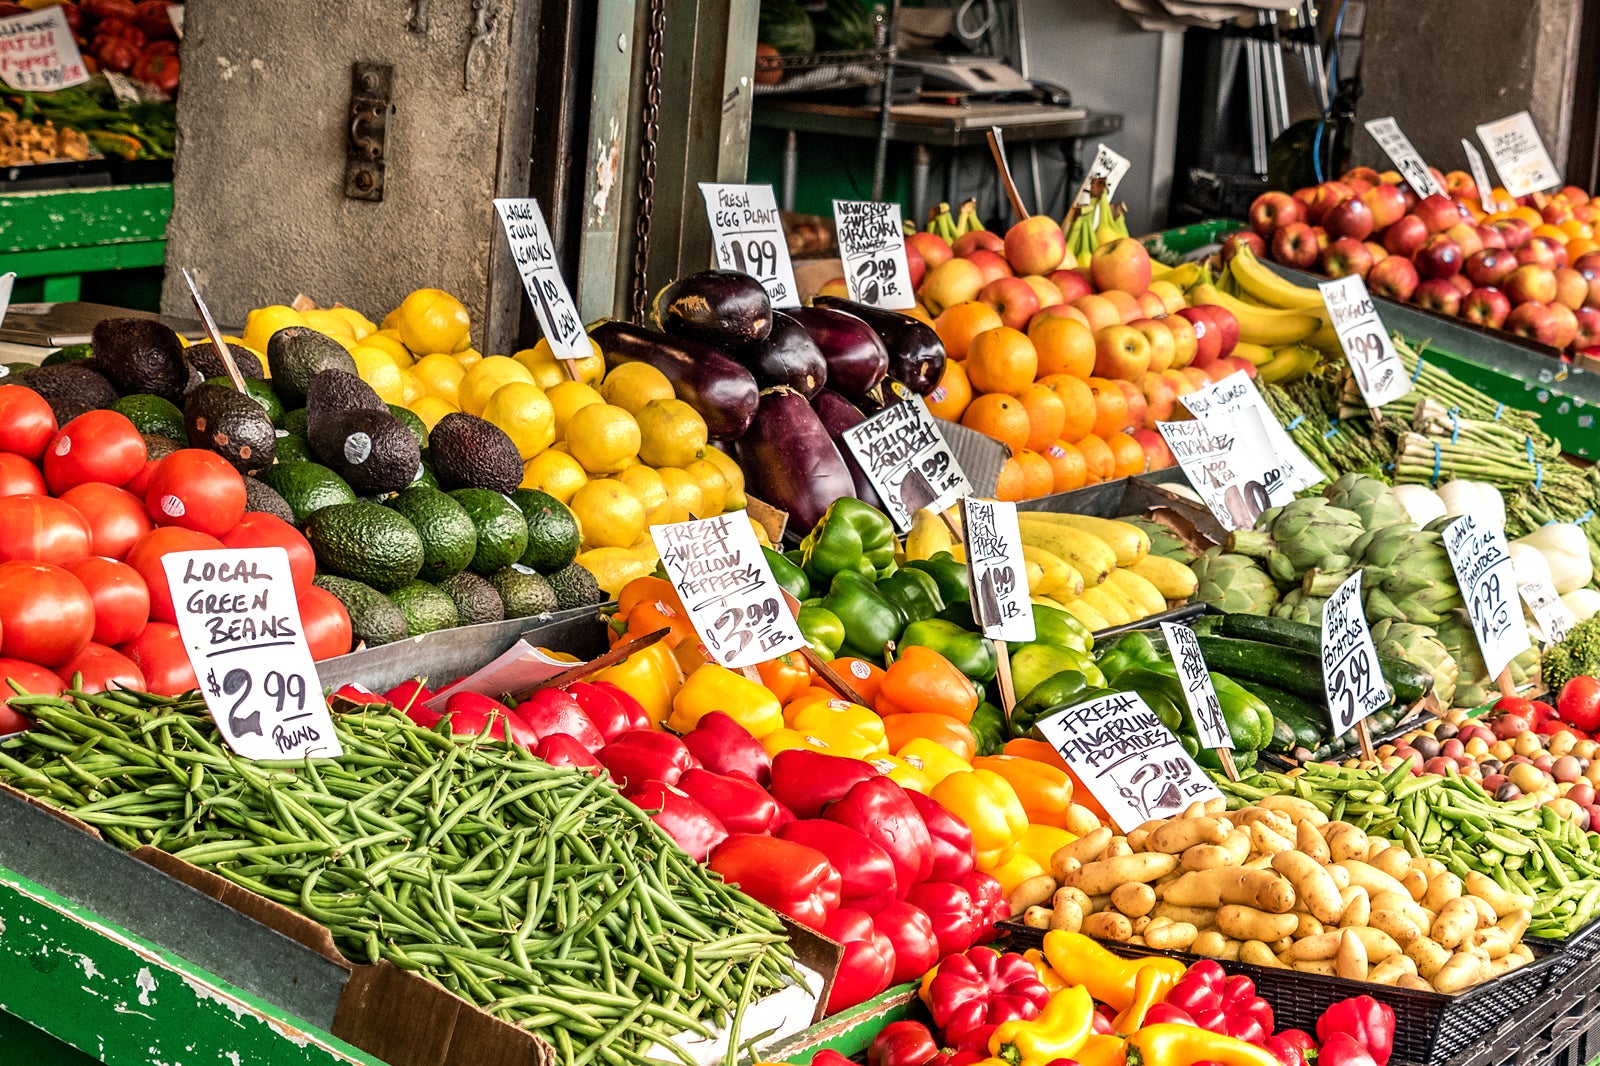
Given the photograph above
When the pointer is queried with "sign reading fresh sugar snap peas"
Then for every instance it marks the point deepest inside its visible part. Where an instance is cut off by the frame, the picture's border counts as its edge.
(1482, 562)
(1350, 676)
(1210, 728)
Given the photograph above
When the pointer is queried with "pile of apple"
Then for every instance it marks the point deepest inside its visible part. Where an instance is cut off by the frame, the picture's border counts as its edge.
(1533, 270)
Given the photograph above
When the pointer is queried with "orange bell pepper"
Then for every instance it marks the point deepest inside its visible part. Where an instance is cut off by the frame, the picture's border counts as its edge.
(1042, 752)
(984, 800)
(647, 604)
(923, 680)
(866, 678)
(785, 676)
(652, 676)
(902, 729)
(716, 688)
(934, 760)
(1045, 790)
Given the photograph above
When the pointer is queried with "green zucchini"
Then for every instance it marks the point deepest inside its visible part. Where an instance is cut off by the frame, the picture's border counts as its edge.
(1409, 681)
(1290, 669)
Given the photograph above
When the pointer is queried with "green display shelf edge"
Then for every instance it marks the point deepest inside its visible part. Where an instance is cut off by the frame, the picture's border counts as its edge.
(82, 218)
(122, 1001)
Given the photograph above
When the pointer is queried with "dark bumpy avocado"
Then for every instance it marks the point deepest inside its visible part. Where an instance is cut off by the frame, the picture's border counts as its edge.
(575, 587)
(335, 391)
(297, 354)
(374, 617)
(260, 392)
(69, 389)
(371, 450)
(157, 446)
(471, 452)
(259, 496)
(475, 599)
(204, 362)
(426, 608)
(417, 426)
(152, 414)
(233, 425)
(524, 592)
(140, 355)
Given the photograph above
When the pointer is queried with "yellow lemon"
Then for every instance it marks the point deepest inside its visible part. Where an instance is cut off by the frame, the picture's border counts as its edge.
(379, 371)
(360, 324)
(263, 322)
(761, 533)
(523, 410)
(632, 385)
(647, 485)
(484, 378)
(671, 433)
(441, 375)
(430, 409)
(645, 549)
(561, 446)
(568, 397)
(549, 372)
(327, 322)
(732, 473)
(470, 357)
(683, 494)
(391, 323)
(613, 568)
(713, 486)
(611, 516)
(603, 438)
(431, 320)
(398, 352)
(411, 388)
(553, 472)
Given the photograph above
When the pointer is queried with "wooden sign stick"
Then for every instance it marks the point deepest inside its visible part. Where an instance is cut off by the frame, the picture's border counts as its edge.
(1008, 692)
(1507, 688)
(1364, 737)
(820, 666)
(1226, 758)
(216, 335)
(997, 147)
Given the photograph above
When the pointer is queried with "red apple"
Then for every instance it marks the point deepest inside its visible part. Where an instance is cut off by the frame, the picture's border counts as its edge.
(1534, 321)
(1036, 245)
(1466, 235)
(1566, 330)
(1048, 294)
(1123, 265)
(1127, 306)
(1543, 251)
(1244, 238)
(1572, 288)
(1349, 218)
(1387, 205)
(1172, 297)
(991, 265)
(1207, 337)
(1490, 237)
(1588, 265)
(1157, 455)
(1555, 212)
(1395, 278)
(1138, 406)
(1100, 311)
(1366, 174)
(1459, 184)
(1516, 232)
(1588, 327)
(1439, 257)
(1151, 304)
(1437, 294)
(1346, 256)
(933, 248)
(1405, 236)
(1014, 300)
(978, 239)
(1379, 252)
(955, 281)
(1121, 353)
(1232, 364)
(916, 264)
(1271, 211)
(1184, 342)
(1462, 283)
(1327, 196)
(1530, 284)
(1228, 326)
(1296, 246)
(1306, 195)
(1486, 307)
(1162, 345)
(1489, 267)
(1071, 283)
(1573, 195)
(1439, 213)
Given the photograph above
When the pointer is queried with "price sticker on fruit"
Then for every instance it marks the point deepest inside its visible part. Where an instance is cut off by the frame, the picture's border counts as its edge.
(1482, 564)
(1519, 154)
(1379, 373)
(535, 255)
(997, 574)
(747, 236)
(1351, 680)
(1237, 392)
(908, 461)
(1129, 761)
(1210, 728)
(734, 602)
(241, 628)
(1229, 461)
(1397, 146)
(38, 52)
(872, 244)
(1553, 618)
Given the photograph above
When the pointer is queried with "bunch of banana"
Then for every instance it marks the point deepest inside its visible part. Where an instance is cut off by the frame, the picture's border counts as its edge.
(941, 223)
(1097, 222)
(967, 220)
(1099, 570)
(1253, 280)
(1184, 276)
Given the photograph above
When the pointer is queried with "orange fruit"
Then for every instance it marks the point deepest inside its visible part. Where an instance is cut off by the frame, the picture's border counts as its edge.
(1065, 346)
(1047, 415)
(1002, 360)
(1098, 459)
(1111, 407)
(1012, 483)
(1067, 468)
(1077, 400)
(1128, 457)
(1573, 228)
(999, 416)
(1038, 477)
(950, 397)
(962, 322)
(1555, 234)
(1581, 246)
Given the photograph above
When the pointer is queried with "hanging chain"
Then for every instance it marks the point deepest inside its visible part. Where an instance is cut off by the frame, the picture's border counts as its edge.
(647, 155)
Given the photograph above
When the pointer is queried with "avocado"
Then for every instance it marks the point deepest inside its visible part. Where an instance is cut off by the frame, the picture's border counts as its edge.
(259, 496)
(295, 422)
(418, 428)
(257, 390)
(140, 355)
(335, 391)
(425, 478)
(70, 389)
(205, 363)
(524, 592)
(425, 607)
(553, 538)
(297, 354)
(374, 617)
(502, 532)
(152, 414)
(449, 540)
(233, 425)
(365, 541)
(293, 449)
(307, 488)
(575, 587)
(471, 452)
(72, 353)
(157, 446)
(475, 599)
(369, 449)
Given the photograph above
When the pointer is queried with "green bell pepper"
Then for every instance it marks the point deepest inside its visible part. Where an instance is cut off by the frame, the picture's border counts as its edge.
(1057, 627)
(1045, 698)
(822, 630)
(870, 621)
(789, 577)
(988, 727)
(949, 574)
(1249, 719)
(969, 652)
(1034, 663)
(1127, 651)
(1208, 758)
(914, 592)
(852, 537)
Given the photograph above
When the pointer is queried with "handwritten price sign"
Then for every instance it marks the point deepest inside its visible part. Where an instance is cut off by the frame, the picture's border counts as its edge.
(873, 247)
(747, 236)
(1519, 154)
(997, 574)
(38, 52)
(906, 458)
(1397, 146)
(1107, 166)
(1379, 373)
(1210, 728)
(1236, 392)
(1230, 462)
(1552, 616)
(1482, 563)
(535, 256)
(1350, 677)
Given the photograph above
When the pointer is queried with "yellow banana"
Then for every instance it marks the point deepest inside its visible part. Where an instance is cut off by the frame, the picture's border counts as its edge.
(1088, 555)
(1035, 575)
(1289, 363)
(928, 536)
(1171, 578)
(1266, 326)
(1058, 576)
(1158, 269)
(1326, 338)
(1128, 541)
(1254, 354)
(1185, 275)
(1109, 605)
(1262, 284)
(1087, 615)
(1145, 596)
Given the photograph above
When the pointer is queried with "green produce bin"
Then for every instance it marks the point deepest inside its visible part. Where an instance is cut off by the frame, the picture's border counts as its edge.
(1173, 246)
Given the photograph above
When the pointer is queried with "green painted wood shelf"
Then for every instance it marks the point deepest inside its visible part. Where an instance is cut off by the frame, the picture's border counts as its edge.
(51, 239)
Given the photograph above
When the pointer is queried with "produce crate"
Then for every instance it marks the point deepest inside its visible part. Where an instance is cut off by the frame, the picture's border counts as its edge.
(1430, 1027)
(1577, 949)
(1563, 1029)
(850, 1031)
(1132, 495)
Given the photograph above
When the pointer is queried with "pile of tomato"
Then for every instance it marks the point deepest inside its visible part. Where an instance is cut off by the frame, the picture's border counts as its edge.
(85, 518)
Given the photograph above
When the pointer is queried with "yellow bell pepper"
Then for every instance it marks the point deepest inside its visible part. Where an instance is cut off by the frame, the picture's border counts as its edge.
(1045, 790)
(1047, 974)
(652, 676)
(933, 759)
(806, 697)
(902, 773)
(1101, 1050)
(1041, 842)
(984, 800)
(1057, 1033)
(1178, 1045)
(716, 688)
(848, 729)
(1110, 978)
(786, 738)
(1016, 870)
(1150, 986)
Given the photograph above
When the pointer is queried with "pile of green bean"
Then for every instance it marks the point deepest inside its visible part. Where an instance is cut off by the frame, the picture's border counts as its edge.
(537, 893)
(1525, 848)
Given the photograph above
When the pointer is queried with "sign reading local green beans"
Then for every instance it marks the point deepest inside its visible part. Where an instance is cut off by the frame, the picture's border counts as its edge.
(1482, 562)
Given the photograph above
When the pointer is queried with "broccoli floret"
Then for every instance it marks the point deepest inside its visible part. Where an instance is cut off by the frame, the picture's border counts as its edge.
(1574, 657)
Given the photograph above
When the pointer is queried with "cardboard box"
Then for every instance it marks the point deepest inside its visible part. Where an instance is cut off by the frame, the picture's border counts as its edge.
(850, 1031)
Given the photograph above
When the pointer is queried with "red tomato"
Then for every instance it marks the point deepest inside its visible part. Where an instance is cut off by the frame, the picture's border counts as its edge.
(103, 668)
(46, 615)
(121, 598)
(145, 557)
(19, 477)
(260, 530)
(196, 489)
(30, 678)
(116, 517)
(1579, 703)
(159, 654)
(96, 446)
(141, 481)
(39, 529)
(325, 621)
(26, 422)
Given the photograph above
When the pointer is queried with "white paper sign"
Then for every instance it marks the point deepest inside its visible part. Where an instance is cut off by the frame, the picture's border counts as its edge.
(1552, 616)
(728, 589)
(1130, 762)
(519, 667)
(873, 247)
(906, 458)
(1228, 459)
(747, 236)
(1480, 177)
(1482, 562)
(997, 574)
(1397, 146)
(1350, 676)
(122, 87)
(241, 627)
(1519, 154)
(1108, 166)
(175, 16)
(7, 280)
(1210, 728)
(535, 255)
(1237, 392)
(1380, 374)
(38, 52)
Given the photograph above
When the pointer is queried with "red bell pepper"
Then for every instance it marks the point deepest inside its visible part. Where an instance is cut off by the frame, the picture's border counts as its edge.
(610, 717)
(1166, 1013)
(558, 749)
(952, 1057)
(742, 805)
(1288, 1047)
(903, 1043)
(916, 949)
(950, 908)
(790, 878)
(988, 904)
(408, 694)
(868, 960)
(807, 781)
(953, 854)
(158, 70)
(645, 755)
(981, 988)
(554, 711)
(867, 870)
(153, 20)
(354, 693)
(828, 1057)
(1371, 1024)
(115, 54)
(472, 713)
(1342, 1049)
(105, 9)
(1223, 1004)
(724, 746)
(878, 809)
(685, 819)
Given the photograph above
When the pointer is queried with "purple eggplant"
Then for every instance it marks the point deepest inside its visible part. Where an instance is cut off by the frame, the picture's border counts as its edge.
(722, 391)
(722, 308)
(789, 458)
(916, 355)
(787, 357)
(839, 414)
(857, 359)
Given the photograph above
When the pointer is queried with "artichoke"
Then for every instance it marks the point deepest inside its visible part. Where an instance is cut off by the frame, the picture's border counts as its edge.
(1387, 545)
(1368, 497)
(1454, 630)
(1420, 645)
(1163, 541)
(1234, 583)
(1310, 539)
(1297, 606)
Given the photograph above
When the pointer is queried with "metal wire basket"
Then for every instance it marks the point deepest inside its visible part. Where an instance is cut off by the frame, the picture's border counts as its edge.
(810, 72)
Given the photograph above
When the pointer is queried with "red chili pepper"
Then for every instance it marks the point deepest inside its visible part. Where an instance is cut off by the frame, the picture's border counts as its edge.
(724, 746)
(903, 1043)
(868, 960)
(1369, 1022)
(949, 906)
(558, 749)
(878, 809)
(807, 781)
(738, 802)
(788, 877)
(641, 755)
(953, 854)
(691, 825)
(981, 988)
(554, 711)
(867, 870)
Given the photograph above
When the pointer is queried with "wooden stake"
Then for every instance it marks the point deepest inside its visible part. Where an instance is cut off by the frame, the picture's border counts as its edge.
(1504, 681)
(1364, 735)
(1008, 692)
(997, 146)
(579, 671)
(1226, 757)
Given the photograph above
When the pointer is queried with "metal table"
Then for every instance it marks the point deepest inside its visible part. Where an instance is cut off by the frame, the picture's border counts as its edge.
(926, 126)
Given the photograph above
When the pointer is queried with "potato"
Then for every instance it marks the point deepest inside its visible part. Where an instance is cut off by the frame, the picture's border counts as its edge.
(1357, 907)
(1515, 923)
(1456, 921)
(1199, 917)
(1237, 846)
(1340, 875)
(1140, 925)
(1108, 925)
(1296, 808)
(1086, 848)
(1278, 947)
(1351, 961)
(1197, 809)
(1488, 890)
(1307, 926)
(1133, 899)
(1031, 893)
(1313, 888)
(1370, 878)
(1322, 946)
(1036, 918)
(1414, 883)
(1098, 903)
(1082, 821)
(1276, 821)
(1430, 867)
(1379, 945)
(1493, 941)
(1248, 923)
(1309, 842)
(1463, 970)
(1441, 889)
(1523, 952)
(1390, 970)
(1486, 914)
(1206, 857)
(1258, 954)
(1402, 902)
(1268, 841)
(1076, 895)
(1413, 982)
(1346, 842)
(1216, 805)
(1101, 877)
(1179, 835)
(1396, 862)
(1322, 966)
(1399, 927)
(1210, 942)
(1139, 840)
(1429, 956)
(1261, 889)
(1067, 915)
